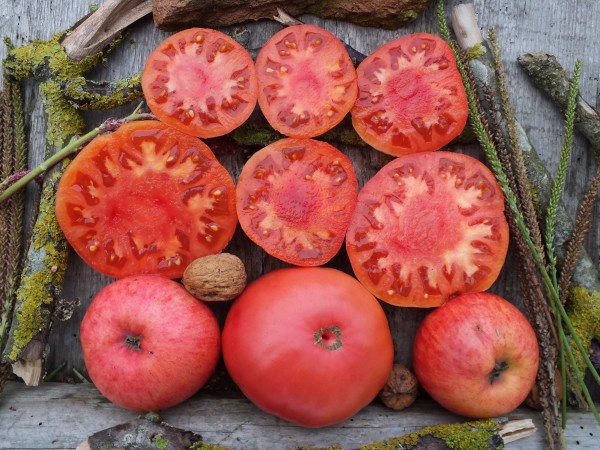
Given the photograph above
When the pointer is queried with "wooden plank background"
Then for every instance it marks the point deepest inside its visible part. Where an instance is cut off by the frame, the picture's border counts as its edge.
(570, 29)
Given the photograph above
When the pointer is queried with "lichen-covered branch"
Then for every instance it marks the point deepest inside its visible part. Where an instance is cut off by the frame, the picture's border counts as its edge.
(552, 79)
(480, 434)
(46, 258)
(87, 94)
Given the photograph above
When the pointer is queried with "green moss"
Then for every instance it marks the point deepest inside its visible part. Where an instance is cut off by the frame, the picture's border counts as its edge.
(204, 446)
(584, 311)
(44, 271)
(255, 135)
(464, 436)
(475, 52)
(159, 442)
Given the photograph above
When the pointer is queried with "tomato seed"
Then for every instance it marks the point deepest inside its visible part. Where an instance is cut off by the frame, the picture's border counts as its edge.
(199, 39)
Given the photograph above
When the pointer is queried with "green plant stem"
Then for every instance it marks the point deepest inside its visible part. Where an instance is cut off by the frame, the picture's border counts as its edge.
(71, 148)
(563, 166)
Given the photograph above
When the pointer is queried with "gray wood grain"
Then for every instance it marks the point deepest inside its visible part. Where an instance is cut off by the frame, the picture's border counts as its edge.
(60, 415)
(570, 29)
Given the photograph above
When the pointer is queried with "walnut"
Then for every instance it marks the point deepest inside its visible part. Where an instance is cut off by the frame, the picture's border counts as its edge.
(401, 388)
(215, 277)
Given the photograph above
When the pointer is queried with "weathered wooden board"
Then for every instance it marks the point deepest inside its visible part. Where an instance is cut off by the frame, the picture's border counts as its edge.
(569, 29)
(60, 415)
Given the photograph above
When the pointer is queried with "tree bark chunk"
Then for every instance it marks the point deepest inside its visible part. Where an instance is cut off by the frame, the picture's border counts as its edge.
(170, 15)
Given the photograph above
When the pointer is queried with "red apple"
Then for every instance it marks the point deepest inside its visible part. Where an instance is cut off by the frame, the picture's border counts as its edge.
(147, 343)
(476, 355)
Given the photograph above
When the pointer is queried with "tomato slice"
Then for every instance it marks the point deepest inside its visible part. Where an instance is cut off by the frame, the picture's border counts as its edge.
(146, 199)
(306, 81)
(410, 96)
(201, 82)
(295, 198)
(426, 227)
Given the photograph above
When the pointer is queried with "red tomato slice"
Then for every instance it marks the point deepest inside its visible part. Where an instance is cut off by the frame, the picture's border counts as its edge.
(426, 227)
(201, 82)
(146, 199)
(306, 81)
(295, 198)
(411, 97)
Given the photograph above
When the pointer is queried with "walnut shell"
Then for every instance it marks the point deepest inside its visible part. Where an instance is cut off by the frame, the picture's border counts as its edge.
(401, 388)
(215, 278)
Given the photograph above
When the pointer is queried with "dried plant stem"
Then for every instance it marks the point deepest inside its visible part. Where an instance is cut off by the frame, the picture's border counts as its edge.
(574, 244)
(13, 157)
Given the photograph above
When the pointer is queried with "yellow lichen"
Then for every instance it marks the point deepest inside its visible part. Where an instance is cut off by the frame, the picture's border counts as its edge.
(583, 309)
(43, 272)
(464, 436)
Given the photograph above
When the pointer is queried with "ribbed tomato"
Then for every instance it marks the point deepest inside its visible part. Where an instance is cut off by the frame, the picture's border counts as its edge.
(146, 199)
(426, 227)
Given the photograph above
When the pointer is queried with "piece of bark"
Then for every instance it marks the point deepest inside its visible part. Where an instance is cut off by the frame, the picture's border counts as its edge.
(170, 15)
(147, 432)
(97, 31)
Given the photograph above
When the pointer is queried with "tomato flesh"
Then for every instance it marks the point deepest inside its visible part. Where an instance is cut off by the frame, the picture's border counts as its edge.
(295, 198)
(146, 199)
(411, 97)
(426, 227)
(201, 82)
(306, 81)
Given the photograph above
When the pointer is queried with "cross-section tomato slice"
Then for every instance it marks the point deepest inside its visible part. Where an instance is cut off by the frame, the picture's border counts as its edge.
(306, 79)
(146, 199)
(410, 96)
(201, 82)
(295, 198)
(428, 226)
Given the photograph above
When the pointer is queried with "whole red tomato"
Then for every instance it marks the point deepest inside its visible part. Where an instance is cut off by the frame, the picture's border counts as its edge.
(147, 343)
(476, 355)
(309, 345)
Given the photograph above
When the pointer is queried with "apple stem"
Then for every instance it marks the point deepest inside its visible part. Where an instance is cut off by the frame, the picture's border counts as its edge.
(134, 342)
(500, 367)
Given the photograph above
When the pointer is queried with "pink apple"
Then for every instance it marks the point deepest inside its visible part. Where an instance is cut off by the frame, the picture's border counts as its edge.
(147, 343)
(476, 355)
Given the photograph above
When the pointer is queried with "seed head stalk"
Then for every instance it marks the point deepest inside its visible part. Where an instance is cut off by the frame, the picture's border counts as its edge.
(550, 282)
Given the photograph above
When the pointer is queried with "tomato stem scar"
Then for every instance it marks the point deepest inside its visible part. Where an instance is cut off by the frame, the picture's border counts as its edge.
(330, 338)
